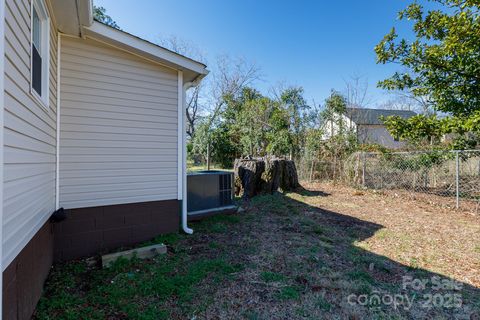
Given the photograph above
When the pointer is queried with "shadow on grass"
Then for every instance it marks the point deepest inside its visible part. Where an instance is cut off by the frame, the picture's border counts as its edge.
(320, 262)
(311, 193)
(379, 286)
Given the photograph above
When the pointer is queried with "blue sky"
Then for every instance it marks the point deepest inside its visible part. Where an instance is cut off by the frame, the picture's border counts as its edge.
(308, 43)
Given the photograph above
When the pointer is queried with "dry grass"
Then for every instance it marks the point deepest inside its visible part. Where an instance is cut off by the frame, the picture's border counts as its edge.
(421, 232)
(294, 256)
(192, 167)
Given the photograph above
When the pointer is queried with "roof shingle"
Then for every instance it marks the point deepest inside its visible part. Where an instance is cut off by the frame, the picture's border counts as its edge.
(372, 116)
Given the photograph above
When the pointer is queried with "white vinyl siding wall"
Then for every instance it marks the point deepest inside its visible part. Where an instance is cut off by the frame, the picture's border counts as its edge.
(118, 127)
(29, 137)
(331, 128)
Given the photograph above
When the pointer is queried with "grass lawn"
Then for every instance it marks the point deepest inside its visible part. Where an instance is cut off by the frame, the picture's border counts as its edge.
(322, 253)
(191, 167)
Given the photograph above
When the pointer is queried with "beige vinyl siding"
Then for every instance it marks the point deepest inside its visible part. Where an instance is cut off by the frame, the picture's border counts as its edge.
(29, 137)
(118, 132)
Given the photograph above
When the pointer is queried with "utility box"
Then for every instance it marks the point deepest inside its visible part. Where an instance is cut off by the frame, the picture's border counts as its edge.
(209, 191)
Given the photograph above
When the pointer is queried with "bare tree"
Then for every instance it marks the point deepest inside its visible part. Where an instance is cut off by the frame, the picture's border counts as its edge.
(276, 90)
(405, 100)
(181, 46)
(356, 92)
(228, 78)
(194, 107)
(398, 103)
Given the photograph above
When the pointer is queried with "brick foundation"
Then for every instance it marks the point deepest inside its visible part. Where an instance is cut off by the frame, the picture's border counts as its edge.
(23, 279)
(85, 232)
(89, 231)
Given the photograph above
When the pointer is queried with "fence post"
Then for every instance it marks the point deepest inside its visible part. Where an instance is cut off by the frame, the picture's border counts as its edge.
(311, 170)
(364, 158)
(457, 174)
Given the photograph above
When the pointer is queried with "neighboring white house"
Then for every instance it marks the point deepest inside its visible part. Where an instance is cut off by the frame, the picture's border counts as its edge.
(367, 125)
(93, 121)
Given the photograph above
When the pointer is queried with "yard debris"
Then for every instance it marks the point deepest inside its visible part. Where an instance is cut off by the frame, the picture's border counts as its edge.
(241, 210)
(140, 253)
(91, 262)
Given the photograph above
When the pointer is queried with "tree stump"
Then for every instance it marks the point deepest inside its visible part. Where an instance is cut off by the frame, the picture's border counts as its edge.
(264, 175)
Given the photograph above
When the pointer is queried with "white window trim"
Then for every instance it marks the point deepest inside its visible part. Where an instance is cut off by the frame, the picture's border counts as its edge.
(42, 11)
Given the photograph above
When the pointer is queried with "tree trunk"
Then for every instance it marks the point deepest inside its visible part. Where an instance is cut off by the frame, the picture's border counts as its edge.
(311, 170)
(264, 175)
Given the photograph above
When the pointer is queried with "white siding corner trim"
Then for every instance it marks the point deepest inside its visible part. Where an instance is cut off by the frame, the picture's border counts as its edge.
(2, 107)
(181, 120)
(57, 167)
(119, 127)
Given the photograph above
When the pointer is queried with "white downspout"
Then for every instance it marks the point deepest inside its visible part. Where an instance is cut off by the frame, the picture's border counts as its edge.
(183, 134)
(185, 227)
(181, 175)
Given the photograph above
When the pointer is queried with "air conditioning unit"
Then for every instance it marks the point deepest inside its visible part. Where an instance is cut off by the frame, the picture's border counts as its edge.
(209, 192)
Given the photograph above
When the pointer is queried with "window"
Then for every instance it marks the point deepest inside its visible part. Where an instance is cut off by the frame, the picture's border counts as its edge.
(40, 52)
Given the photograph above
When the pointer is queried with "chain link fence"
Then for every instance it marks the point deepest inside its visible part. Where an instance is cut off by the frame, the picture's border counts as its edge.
(451, 177)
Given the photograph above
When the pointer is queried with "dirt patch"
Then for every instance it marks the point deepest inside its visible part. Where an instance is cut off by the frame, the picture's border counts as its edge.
(421, 232)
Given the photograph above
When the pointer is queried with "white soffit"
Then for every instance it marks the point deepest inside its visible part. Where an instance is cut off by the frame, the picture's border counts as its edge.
(71, 14)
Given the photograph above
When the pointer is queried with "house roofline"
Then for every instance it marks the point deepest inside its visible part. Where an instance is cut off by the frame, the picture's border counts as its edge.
(154, 44)
(75, 18)
(193, 70)
(363, 116)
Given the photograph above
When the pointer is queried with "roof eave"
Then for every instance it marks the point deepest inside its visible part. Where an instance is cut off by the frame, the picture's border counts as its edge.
(72, 15)
(85, 13)
(193, 70)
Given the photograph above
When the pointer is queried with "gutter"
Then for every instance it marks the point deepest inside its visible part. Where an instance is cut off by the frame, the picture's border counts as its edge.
(186, 86)
(84, 15)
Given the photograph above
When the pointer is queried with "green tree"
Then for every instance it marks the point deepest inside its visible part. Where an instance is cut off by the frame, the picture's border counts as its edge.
(420, 130)
(313, 147)
(100, 14)
(294, 103)
(234, 117)
(222, 149)
(280, 139)
(266, 126)
(252, 125)
(342, 140)
(332, 116)
(442, 66)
